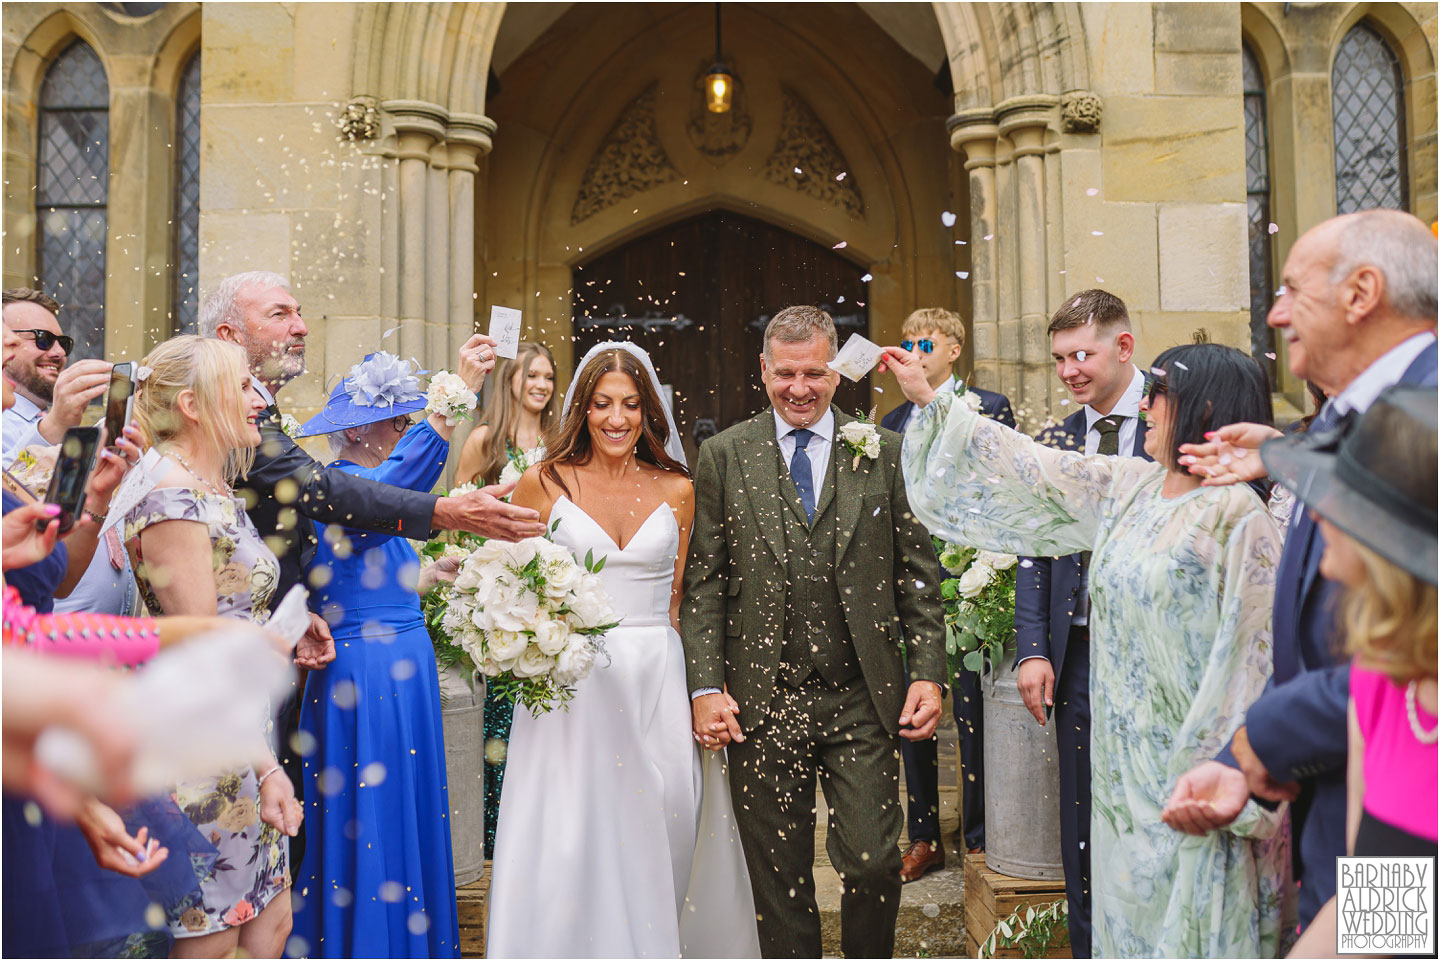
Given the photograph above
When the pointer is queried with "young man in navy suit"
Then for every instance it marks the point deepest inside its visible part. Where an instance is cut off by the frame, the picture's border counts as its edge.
(1357, 311)
(1093, 346)
(936, 337)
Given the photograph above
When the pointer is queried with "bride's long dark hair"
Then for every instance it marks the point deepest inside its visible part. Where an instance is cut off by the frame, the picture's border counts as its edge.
(571, 440)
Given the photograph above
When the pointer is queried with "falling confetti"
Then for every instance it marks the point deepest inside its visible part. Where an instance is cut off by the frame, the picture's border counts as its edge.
(1274, 228)
(948, 219)
(866, 279)
(1091, 191)
(963, 274)
(839, 246)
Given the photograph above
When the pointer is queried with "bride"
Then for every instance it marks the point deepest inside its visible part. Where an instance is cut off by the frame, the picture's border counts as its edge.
(616, 838)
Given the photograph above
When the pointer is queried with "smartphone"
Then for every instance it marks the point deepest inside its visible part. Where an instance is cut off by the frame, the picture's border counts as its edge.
(119, 401)
(78, 450)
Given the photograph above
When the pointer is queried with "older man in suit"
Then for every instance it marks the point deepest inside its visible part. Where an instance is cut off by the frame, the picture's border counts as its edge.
(1093, 346)
(935, 337)
(1357, 311)
(805, 576)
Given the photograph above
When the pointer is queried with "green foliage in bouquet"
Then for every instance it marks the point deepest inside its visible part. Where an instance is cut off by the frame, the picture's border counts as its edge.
(433, 604)
(979, 604)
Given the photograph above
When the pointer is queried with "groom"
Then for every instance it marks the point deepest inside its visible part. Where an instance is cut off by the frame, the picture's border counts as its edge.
(808, 587)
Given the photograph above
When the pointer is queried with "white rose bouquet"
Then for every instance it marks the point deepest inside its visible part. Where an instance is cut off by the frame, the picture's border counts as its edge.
(519, 464)
(979, 605)
(448, 396)
(528, 616)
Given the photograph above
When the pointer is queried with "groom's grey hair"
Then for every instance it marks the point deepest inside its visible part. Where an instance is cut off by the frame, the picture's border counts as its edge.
(223, 307)
(797, 325)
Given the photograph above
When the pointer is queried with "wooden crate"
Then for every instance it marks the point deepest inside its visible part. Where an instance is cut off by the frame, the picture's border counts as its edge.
(990, 896)
(471, 903)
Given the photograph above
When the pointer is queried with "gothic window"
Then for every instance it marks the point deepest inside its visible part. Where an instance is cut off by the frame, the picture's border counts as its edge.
(1366, 87)
(1257, 194)
(72, 186)
(185, 272)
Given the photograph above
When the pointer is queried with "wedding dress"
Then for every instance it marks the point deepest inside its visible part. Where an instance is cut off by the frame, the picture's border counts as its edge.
(616, 837)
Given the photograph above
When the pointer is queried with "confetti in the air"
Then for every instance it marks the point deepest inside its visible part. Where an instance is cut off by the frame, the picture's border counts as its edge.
(948, 219)
(1274, 228)
(1091, 191)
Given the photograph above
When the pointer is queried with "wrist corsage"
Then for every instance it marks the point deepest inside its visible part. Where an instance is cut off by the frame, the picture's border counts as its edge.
(449, 397)
(289, 426)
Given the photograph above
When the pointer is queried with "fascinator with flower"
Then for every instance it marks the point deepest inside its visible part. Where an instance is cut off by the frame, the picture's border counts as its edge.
(380, 387)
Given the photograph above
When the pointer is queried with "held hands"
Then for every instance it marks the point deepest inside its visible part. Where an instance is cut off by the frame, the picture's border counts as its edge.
(921, 712)
(482, 512)
(714, 720)
(1231, 455)
(909, 373)
(1036, 683)
(477, 358)
(316, 647)
(78, 384)
(278, 807)
(1206, 798)
(113, 847)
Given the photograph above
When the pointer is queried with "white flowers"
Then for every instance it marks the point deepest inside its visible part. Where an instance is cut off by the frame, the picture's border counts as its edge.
(862, 438)
(981, 572)
(289, 426)
(971, 400)
(449, 397)
(522, 462)
(973, 581)
(530, 617)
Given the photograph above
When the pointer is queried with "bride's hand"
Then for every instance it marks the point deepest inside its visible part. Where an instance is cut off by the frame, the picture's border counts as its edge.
(714, 723)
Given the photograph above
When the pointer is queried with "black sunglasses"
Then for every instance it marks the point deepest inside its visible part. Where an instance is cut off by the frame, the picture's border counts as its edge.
(1155, 384)
(44, 339)
(926, 346)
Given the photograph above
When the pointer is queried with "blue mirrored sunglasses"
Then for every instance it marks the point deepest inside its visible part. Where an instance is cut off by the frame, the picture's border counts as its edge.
(926, 346)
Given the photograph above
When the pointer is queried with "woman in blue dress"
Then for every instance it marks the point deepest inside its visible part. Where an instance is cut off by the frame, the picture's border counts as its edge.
(377, 878)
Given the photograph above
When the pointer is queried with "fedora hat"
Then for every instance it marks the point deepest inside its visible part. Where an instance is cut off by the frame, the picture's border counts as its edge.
(1373, 476)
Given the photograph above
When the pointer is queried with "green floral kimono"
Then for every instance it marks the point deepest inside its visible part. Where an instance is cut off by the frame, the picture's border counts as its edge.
(1181, 591)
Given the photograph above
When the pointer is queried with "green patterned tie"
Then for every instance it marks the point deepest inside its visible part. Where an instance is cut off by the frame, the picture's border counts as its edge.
(1109, 428)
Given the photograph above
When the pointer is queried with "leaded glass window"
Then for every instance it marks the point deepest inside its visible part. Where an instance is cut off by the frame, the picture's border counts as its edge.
(1366, 93)
(1257, 194)
(185, 272)
(72, 186)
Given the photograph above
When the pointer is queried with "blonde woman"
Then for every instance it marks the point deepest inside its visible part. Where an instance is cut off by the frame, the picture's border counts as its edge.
(519, 412)
(195, 551)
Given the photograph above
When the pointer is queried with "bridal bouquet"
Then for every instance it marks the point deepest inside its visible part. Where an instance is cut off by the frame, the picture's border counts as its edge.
(979, 605)
(530, 617)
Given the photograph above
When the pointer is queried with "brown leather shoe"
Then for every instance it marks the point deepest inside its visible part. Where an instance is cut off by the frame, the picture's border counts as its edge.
(920, 859)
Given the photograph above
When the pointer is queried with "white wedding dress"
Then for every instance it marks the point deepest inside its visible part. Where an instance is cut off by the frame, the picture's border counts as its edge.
(616, 837)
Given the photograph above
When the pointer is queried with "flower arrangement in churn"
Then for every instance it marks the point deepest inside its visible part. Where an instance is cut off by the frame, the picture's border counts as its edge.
(528, 616)
(979, 604)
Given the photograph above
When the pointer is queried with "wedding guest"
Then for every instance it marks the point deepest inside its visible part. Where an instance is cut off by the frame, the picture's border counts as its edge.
(1358, 310)
(195, 551)
(1179, 626)
(520, 410)
(935, 337)
(375, 789)
(1373, 495)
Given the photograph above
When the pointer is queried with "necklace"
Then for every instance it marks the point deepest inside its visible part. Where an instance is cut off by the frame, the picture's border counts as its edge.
(225, 492)
(1421, 735)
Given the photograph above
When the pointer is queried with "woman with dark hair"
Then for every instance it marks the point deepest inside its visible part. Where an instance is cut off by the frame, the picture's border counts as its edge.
(1181, 584)
(615, 838)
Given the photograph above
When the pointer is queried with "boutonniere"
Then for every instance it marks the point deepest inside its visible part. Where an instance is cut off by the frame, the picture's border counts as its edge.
(971, 400)
(289, 426)
(862, 437)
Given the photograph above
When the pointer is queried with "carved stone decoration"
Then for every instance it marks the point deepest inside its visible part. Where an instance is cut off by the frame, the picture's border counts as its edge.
(360, 119)
(630, 160)
(807, 159)
(718, 136)
(1080, 112)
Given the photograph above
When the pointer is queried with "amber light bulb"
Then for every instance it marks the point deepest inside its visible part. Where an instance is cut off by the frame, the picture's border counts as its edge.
(718, 87)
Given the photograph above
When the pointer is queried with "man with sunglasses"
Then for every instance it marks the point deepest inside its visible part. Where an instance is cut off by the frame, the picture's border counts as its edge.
(936, 337)
(49, 396)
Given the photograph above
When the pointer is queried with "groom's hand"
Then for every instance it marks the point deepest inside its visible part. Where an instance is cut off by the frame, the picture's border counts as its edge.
(482, 512)
(713, 716)
(921, 712)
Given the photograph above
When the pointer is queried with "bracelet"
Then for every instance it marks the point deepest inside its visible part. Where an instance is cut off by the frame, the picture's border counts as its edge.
(261, 783)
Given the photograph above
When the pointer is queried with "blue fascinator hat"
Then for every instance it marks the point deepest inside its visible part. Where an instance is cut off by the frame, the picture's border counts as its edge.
(380, 387)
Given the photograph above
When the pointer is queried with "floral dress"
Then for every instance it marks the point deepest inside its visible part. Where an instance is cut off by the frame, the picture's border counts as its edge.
(1181, 591)
(253, 864)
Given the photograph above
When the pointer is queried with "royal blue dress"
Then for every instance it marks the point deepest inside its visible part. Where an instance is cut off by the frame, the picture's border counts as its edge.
(378, 879)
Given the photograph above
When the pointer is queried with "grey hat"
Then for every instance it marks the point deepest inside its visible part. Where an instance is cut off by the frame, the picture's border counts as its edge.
(1373, 476)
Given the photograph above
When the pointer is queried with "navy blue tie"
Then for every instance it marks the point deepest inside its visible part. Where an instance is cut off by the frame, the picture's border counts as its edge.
(800, 472)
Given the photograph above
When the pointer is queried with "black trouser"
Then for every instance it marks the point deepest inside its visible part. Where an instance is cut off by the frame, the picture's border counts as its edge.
(922, 770)
(1072, 737)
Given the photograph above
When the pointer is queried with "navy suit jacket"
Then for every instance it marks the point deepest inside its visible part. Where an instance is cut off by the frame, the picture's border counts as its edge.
(1298, 728)
(1047, 589)
(992, 405)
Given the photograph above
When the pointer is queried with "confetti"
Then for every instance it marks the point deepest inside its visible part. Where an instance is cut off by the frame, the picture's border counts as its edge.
(839, 246)
(1091, 191)
(866, 279)
(1097, 233)
(963, 274)
(948, 219)
(1274, 228)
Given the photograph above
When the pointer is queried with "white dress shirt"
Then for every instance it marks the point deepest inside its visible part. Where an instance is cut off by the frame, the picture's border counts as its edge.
(1128, 407)
(1385, 372)
(818, 450)
(21, 427)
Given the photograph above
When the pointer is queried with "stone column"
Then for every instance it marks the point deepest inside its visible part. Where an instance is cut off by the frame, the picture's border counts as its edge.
(418, 125)
(1024, 121)
(973, 133)
(469, 137)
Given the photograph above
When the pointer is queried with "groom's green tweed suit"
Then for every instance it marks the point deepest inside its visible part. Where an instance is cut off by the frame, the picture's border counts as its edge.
(805, 624)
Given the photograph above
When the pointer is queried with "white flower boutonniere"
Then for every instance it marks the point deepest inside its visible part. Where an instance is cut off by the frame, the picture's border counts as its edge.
(289, 426)
(972, 400)
(449, 397)
(863, 439)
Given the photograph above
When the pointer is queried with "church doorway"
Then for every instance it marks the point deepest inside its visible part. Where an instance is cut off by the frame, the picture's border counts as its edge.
(697, 295)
